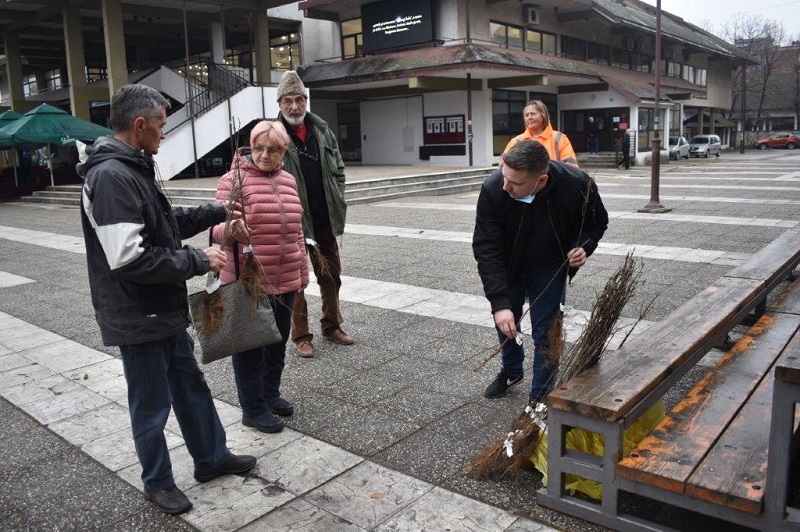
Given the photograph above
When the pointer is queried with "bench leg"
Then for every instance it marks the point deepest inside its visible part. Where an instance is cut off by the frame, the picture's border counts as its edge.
(562, 461)
(780, 454)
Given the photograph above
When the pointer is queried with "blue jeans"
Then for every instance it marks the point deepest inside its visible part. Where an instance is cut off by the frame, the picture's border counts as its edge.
(163, 374)
(542, 313)
(258, 371)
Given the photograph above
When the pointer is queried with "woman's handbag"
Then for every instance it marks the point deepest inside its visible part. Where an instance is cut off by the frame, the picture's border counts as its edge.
(246, 323)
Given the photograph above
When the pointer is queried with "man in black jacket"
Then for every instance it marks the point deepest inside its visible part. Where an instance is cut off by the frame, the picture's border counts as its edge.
(537, 222)
(137, 274)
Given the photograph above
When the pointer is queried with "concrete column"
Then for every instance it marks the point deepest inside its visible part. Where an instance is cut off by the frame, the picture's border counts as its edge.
(261, 44)
(16, 96)
(116, 62)
(76, 64)
(701, 120)
(217, 43)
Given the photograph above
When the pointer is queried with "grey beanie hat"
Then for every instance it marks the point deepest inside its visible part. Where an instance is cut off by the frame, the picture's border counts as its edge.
(290, 84)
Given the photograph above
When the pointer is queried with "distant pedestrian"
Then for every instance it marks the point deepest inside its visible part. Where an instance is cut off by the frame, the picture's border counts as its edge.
(624, 145)
(138, 269)
(537, 222)
(593, 140)
(316, 163)
(538, 127)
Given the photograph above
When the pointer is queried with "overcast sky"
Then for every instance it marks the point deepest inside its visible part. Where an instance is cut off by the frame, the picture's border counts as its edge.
(718, 12)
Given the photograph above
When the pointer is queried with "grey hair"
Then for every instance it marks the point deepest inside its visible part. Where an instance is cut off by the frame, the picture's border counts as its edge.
(528, 155)
(133, 101)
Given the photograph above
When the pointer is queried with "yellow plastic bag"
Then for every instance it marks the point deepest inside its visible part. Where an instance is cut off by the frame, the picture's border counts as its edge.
(592, 442)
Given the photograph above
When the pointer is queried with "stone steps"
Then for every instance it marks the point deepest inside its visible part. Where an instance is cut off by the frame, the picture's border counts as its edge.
(364, 191)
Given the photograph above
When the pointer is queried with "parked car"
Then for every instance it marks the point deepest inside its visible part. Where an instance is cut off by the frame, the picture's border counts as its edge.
(705, 145)
(678, 148)
(779, 140)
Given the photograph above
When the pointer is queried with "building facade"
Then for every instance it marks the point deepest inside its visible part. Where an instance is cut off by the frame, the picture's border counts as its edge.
(445, 81)
(436, 82)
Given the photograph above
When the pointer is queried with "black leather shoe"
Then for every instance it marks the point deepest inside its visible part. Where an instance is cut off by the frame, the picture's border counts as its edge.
(232, 465)
(280, 407)
(169, 500)
(264, 423)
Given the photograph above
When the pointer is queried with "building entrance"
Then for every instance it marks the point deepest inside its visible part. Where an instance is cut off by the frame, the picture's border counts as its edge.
(608, 122)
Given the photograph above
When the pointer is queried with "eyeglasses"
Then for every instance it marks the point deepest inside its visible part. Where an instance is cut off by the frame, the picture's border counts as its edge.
(272, 152)
(293, 100)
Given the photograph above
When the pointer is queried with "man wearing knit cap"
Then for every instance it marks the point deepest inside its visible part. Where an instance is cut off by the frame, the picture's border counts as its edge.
(315, 162)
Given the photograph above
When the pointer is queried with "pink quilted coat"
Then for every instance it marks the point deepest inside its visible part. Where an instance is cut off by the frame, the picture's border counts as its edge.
(274, 216)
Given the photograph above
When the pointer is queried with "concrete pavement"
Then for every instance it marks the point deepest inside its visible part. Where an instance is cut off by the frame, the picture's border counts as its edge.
(384, 428)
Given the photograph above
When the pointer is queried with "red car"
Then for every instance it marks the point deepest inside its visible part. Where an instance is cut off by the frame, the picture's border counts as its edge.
(779, 140)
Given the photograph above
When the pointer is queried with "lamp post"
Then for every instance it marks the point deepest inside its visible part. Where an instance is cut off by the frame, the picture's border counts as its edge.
(655, 205)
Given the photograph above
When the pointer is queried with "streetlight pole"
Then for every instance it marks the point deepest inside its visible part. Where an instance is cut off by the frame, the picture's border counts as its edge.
(655, 205)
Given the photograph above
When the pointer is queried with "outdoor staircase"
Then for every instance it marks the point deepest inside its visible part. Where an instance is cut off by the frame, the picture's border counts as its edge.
(590, 161)
(364, 191)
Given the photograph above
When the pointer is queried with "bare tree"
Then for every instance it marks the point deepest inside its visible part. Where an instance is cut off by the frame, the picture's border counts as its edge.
(763, 39)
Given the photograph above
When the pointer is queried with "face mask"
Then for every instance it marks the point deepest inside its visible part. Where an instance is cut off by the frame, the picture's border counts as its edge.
(526, 199)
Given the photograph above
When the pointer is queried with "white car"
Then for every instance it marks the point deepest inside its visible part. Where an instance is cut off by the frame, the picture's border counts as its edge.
(705, 145)
(678, 148)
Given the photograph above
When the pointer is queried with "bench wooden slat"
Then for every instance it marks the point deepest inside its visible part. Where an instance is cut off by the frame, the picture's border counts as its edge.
(623, 378)
(773, 262)
(735, 471)
(789, 299)
(668, 457)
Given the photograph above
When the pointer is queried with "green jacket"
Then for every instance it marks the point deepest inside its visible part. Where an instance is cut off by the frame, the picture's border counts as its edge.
(332, 175)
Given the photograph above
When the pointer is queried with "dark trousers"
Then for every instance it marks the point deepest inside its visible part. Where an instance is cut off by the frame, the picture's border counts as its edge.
(546, 290)
(163, 374)
(329, 283)
(258, 371)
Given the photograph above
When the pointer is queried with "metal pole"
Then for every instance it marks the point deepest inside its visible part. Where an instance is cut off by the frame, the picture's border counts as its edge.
(744, 105)
(189, 91)
(655, 166)
(469, 92)
(469, 116)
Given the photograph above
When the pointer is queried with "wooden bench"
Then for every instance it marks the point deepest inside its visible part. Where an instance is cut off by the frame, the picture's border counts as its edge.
(710, 454)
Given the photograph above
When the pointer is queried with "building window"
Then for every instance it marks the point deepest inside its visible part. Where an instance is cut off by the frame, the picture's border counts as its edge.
(641, 62)
(598, 53)
(352, 39)
(621, 58)
(540, 41)
(95, 74)
(671, 69)
(646, 131)
(506, 34)
(284, 52)
(700, 75)
(507, 118)
(29, 87)
(573, 48)
(52, 79)
(675, 120)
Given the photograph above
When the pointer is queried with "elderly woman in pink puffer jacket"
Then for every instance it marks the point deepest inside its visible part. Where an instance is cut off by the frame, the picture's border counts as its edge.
(274, 215)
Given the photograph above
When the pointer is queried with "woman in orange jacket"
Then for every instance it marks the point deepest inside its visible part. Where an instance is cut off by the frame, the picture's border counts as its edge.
(538, 128)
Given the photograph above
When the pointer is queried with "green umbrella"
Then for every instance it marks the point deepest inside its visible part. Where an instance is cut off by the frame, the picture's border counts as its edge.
(6, 142)
(6, 118)
(45, 125)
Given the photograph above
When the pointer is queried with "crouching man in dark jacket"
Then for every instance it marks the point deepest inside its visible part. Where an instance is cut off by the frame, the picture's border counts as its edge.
(537, 222)
(137, 273)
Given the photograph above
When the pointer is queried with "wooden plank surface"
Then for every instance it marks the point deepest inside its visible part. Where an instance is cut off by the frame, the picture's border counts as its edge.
(734, 473)
(622, 378)
(669, 456)
(774, 261)
(789, 299)
(788, 368)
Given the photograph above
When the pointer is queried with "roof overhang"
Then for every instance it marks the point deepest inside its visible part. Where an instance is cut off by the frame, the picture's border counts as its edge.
(446, 67)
